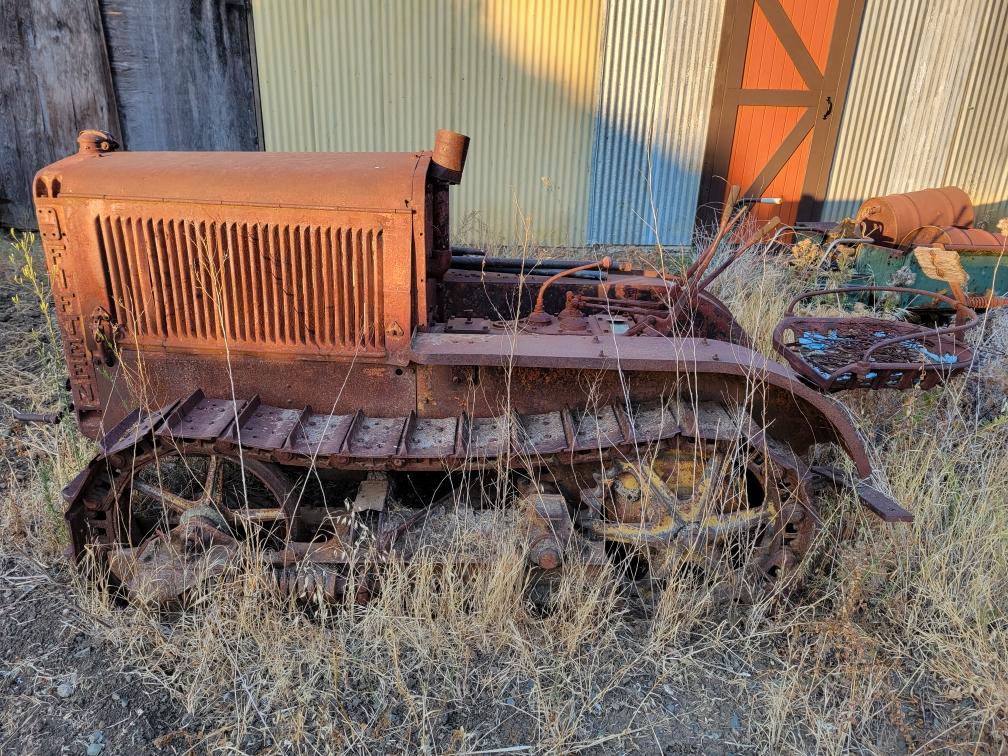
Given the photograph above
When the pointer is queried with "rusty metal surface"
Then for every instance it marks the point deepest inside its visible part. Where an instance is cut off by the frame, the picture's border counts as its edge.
(333, 180)
(529, 349)
(197, 274)
(941, 218)
(509, 297)
(577, 436)
(408, 442)
(165, 567)
(780, 521)
(842, 353)
(882, 505)
(969, 240)
(202, 521)
(696, 501)
(202, 259)
(215, 307)
(919, 217)
(449, 156)
(356, 441)
(246, 285)
(550, 530)
(709, 368)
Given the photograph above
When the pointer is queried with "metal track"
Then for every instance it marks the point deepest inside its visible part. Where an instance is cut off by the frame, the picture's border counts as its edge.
(302, 438)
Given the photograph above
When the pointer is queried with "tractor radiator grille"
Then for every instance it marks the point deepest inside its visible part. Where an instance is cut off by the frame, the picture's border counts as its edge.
(247, 285)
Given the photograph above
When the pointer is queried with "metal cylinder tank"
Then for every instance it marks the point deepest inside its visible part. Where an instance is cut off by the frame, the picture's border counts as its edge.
(921, 216)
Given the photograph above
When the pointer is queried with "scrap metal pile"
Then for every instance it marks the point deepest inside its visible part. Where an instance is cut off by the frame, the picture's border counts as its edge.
(927, 239)
(285, 350)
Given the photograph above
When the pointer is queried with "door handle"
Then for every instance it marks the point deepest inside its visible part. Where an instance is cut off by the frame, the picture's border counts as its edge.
(829, 108)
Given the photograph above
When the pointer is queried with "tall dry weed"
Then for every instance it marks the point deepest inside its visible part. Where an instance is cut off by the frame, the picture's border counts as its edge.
(898, 640)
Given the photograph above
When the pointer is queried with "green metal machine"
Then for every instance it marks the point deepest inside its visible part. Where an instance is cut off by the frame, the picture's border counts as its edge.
(875, 265)
(891, 234)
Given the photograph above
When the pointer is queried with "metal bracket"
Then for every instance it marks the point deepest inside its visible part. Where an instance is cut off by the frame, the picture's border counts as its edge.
(106, 335)
(49, 225)
(870, 496)
(371, 496)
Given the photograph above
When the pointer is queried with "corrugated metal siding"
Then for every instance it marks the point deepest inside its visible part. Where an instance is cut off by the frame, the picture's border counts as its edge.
(520, 77)
(926, 105)
(657, 75)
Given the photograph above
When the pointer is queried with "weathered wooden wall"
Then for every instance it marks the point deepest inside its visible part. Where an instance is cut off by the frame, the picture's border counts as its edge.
(54, 81)
(159, 75)
(183, 74)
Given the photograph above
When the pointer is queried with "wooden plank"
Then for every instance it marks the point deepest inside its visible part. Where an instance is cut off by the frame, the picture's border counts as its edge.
(54, 76)
(777, 161)
(183, 74)
(721, 122)
(780, 23)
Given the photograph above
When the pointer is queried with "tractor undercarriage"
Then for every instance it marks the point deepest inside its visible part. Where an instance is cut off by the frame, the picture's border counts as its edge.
(170, 501)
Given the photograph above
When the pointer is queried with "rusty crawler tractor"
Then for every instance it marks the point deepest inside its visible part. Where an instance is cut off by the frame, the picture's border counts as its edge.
(285, 348)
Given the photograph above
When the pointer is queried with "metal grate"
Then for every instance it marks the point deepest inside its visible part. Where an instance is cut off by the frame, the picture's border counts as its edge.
(247, 285)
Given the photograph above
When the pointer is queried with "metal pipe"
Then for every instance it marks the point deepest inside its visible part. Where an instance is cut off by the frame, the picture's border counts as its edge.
(531, 267)
(490, 262)
(38, 418)
(539, 314)
(448, 157)
(759, 201)
(462, 251)
(543, 262)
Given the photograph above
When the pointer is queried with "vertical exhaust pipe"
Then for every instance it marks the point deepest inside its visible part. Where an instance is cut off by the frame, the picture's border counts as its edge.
(448, 160)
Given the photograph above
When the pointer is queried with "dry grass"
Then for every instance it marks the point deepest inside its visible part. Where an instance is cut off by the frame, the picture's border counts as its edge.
(899, 640)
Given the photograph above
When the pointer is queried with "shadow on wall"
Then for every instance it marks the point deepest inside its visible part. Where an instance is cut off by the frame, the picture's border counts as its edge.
(633, 187)
(521, 78)
(989, 214)
(639, 194)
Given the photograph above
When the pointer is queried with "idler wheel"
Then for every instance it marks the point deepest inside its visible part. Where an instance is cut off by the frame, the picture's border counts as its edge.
(180, 513)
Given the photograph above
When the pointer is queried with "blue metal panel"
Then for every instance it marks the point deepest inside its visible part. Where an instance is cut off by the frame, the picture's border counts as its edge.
(650, 131)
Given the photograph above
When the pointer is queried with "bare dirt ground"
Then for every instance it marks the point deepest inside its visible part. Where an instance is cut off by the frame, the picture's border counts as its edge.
(897, 643)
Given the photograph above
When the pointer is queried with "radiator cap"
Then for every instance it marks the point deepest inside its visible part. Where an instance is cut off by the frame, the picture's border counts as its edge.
(94, 140)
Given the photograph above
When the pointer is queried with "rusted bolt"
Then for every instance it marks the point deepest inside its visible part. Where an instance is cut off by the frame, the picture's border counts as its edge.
(548, 558)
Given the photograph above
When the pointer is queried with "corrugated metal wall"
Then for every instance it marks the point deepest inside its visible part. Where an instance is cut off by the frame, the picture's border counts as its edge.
(519, 76)
(659, 64)
(926, 105)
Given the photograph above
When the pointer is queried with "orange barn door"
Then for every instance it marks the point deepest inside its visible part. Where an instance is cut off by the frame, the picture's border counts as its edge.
(783, 69)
